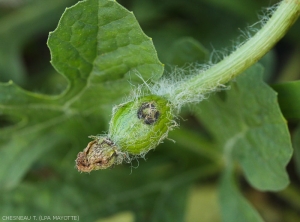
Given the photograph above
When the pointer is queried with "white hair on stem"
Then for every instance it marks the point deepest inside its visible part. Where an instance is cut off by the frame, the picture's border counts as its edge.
(177, 85)
(186, 85)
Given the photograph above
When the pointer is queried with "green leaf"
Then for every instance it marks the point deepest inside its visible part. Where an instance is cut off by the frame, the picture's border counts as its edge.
(30, 21)
(170, 205)
(268, 62)
(296, 145)
(248, 127)
(98, 41)
(187, 50)
(234, 207)
(95, 48)
(64, 191)
(288, 98)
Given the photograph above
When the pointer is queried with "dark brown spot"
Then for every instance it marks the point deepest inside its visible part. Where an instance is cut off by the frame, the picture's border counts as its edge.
(148, 113)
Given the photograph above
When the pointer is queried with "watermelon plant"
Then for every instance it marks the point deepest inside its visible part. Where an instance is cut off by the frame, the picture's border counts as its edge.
(221, 122)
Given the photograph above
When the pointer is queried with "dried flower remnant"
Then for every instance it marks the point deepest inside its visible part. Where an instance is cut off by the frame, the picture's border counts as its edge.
(99, 154)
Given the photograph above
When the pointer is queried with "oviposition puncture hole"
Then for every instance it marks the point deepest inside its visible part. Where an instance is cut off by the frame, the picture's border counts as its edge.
(148, 112)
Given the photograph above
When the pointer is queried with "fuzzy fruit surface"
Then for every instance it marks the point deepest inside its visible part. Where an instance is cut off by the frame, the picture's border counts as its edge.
(140, 125)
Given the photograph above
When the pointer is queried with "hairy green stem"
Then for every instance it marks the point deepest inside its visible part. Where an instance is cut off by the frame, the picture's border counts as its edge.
(249, 53)
(140, 125)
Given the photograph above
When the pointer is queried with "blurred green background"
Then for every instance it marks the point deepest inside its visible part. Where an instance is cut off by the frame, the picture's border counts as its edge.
(174, 183)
